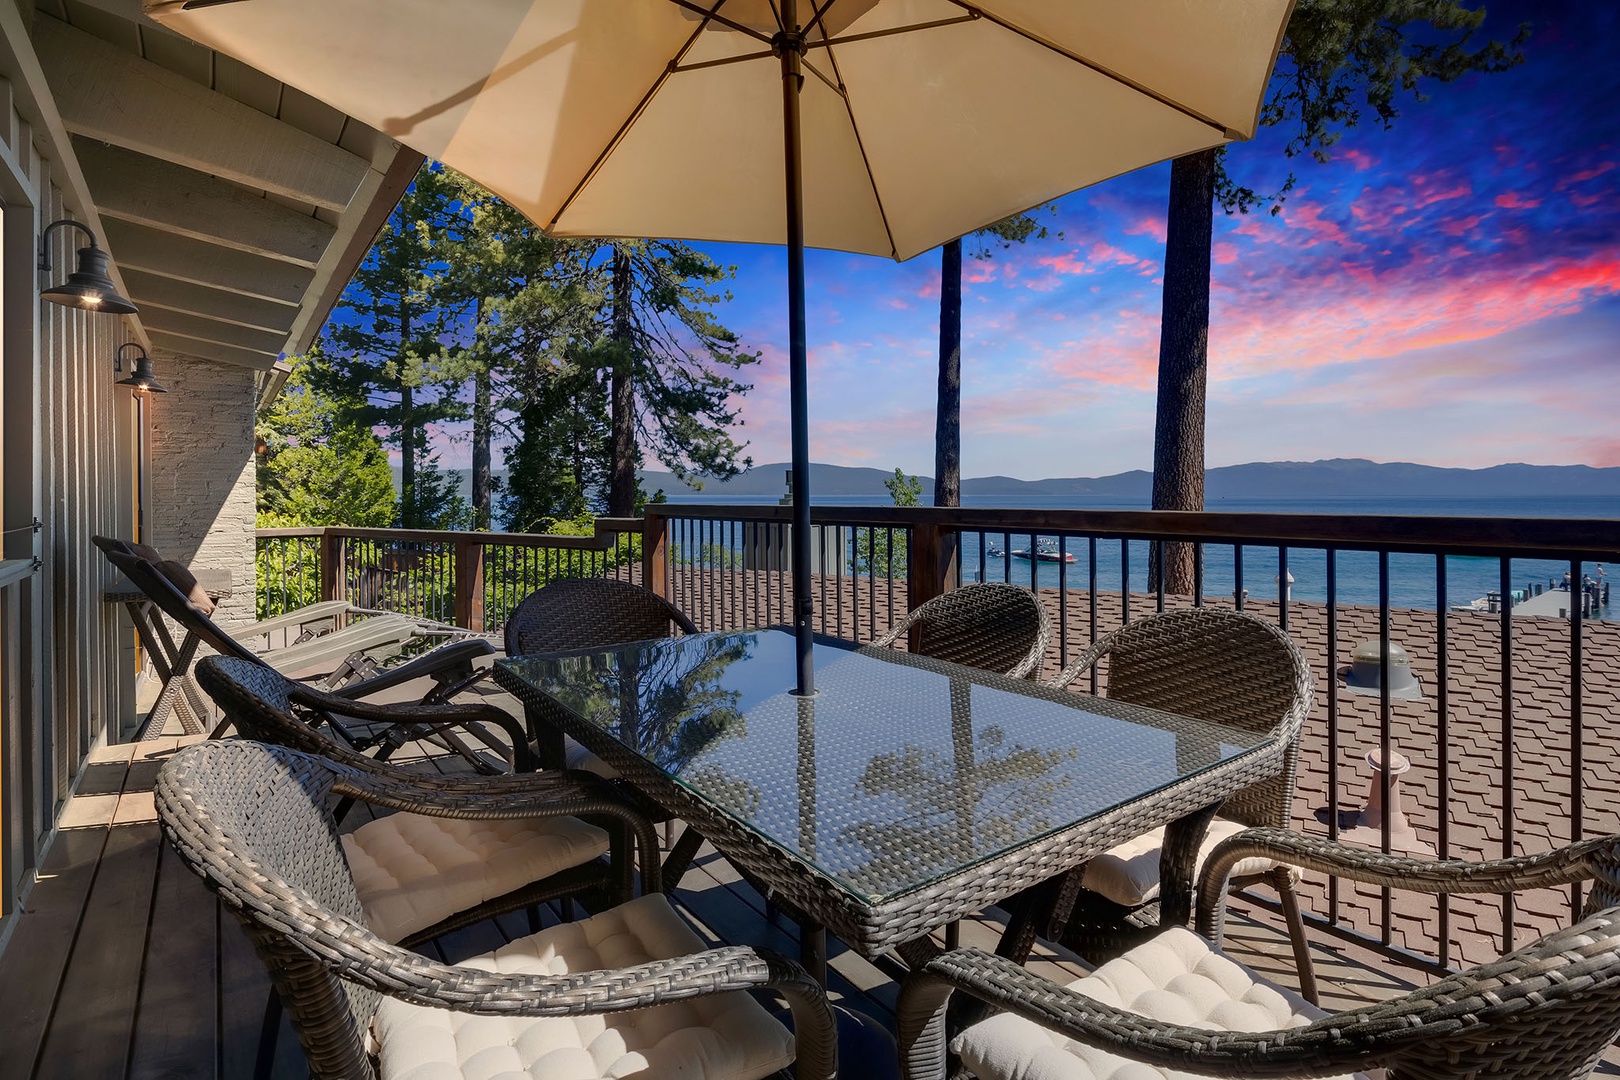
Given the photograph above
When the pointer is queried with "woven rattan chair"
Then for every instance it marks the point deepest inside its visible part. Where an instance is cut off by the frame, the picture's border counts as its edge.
(264, 704)
(419, 876)
(1000, 628)
(1545, 1012)
(589, 613)
(252, 821)
(1213, 664)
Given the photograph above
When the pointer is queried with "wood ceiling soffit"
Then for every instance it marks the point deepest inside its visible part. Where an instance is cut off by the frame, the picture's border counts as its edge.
(140, 248)
(154, 290)
(206, 329)
(225, 354)
(108, 94)
(162, 195)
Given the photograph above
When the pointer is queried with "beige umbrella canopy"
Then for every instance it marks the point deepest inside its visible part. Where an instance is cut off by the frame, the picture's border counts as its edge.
(646, 118)
(891, 126)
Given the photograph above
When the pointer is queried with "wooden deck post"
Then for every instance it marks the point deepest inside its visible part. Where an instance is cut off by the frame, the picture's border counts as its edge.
(333, 583)
(930, 566)
(469, 564)
(655, 552)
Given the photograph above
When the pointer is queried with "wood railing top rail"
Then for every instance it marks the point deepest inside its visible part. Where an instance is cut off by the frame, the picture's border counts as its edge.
(607, 531)
(1593, 539)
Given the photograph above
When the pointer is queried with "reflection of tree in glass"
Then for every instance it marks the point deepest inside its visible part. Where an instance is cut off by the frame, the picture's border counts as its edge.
(984, 797)
(672, 705)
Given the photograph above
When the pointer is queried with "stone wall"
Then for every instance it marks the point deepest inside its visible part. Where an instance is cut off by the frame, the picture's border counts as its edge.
(202, 478)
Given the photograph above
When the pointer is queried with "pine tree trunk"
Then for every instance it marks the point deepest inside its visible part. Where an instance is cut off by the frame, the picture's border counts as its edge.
(407, 458)
(1178, 441)
(482, 415)
(481, 423)
(948, 420)
(622, 475)
(407, 433)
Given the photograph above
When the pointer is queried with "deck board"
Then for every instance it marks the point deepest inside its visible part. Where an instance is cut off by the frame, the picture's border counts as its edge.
(94, 1021)
(172, 1039)
(126, 966)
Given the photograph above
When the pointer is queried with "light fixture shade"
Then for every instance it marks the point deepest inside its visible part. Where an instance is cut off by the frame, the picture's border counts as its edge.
(90, 286)
(142, 378)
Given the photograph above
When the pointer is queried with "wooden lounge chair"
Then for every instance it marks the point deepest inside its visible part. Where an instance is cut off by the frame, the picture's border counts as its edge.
(450, 666)
(646, 996)
(1177, 1006)
(997, 627)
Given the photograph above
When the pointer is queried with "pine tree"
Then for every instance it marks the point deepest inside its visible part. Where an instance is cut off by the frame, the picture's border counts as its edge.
(382, 355)
(670, 367)
(1340, 60)
(948, 418)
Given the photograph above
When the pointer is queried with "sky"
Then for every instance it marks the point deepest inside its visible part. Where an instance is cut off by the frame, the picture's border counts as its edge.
(1446, 292)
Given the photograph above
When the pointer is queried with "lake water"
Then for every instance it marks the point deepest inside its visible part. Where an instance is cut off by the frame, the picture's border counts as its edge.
(1412, 578)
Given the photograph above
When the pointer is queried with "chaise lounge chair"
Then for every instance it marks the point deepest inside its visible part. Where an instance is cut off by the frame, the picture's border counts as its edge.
(338, 656)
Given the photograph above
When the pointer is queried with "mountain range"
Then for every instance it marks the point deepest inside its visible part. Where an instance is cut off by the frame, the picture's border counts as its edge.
(1333, 478)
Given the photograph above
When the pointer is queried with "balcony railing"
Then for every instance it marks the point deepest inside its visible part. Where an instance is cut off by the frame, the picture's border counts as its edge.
(1507, 732)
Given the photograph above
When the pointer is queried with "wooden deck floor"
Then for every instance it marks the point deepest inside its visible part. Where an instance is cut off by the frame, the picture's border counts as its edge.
(123, 965)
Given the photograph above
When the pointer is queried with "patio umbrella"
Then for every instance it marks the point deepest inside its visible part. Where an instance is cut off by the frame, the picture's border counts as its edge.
(890, 126)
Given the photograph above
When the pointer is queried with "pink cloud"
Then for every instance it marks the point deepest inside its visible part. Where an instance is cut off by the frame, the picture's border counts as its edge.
(1359, 159)
(1430, 188)
(1585, 174)
(1513, 200)
(1460, 226)
(1152, 225)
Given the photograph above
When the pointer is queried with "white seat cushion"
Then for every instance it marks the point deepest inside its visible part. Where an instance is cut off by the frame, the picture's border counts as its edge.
(576, 756)
(1177, 978)
(720, 1037)
(1129, 874)
(411, 871)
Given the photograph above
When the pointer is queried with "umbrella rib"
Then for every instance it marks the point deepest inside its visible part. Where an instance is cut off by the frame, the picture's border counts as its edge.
(1108, 73)
(712, 14)
(866, 163)
(972, 16)
(641, 107)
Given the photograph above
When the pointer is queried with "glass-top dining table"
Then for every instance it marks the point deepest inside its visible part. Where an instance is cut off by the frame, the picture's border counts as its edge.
(907, 792)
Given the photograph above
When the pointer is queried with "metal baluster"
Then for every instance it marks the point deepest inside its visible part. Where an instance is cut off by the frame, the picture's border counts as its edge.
(1158, 554)
(890, 542)
(1125, 581)
(1577, 770)
(1333, 720)
(1198, 574)
(1063, 602)
(1282, 589)
(1384, 716)
(1443, 766)
(1091, 568)
(1508, 778)
(1237, 576)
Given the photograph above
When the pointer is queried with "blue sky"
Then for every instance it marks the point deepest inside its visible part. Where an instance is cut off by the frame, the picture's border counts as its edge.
(1446, 292)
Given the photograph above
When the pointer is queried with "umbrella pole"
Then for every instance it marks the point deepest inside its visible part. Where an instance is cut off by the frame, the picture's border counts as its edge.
(790, 45)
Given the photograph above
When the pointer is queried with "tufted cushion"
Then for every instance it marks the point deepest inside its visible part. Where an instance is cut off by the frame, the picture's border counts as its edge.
(1129, 874)
(720, 1037)
(411, 871)
(1177, 978)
